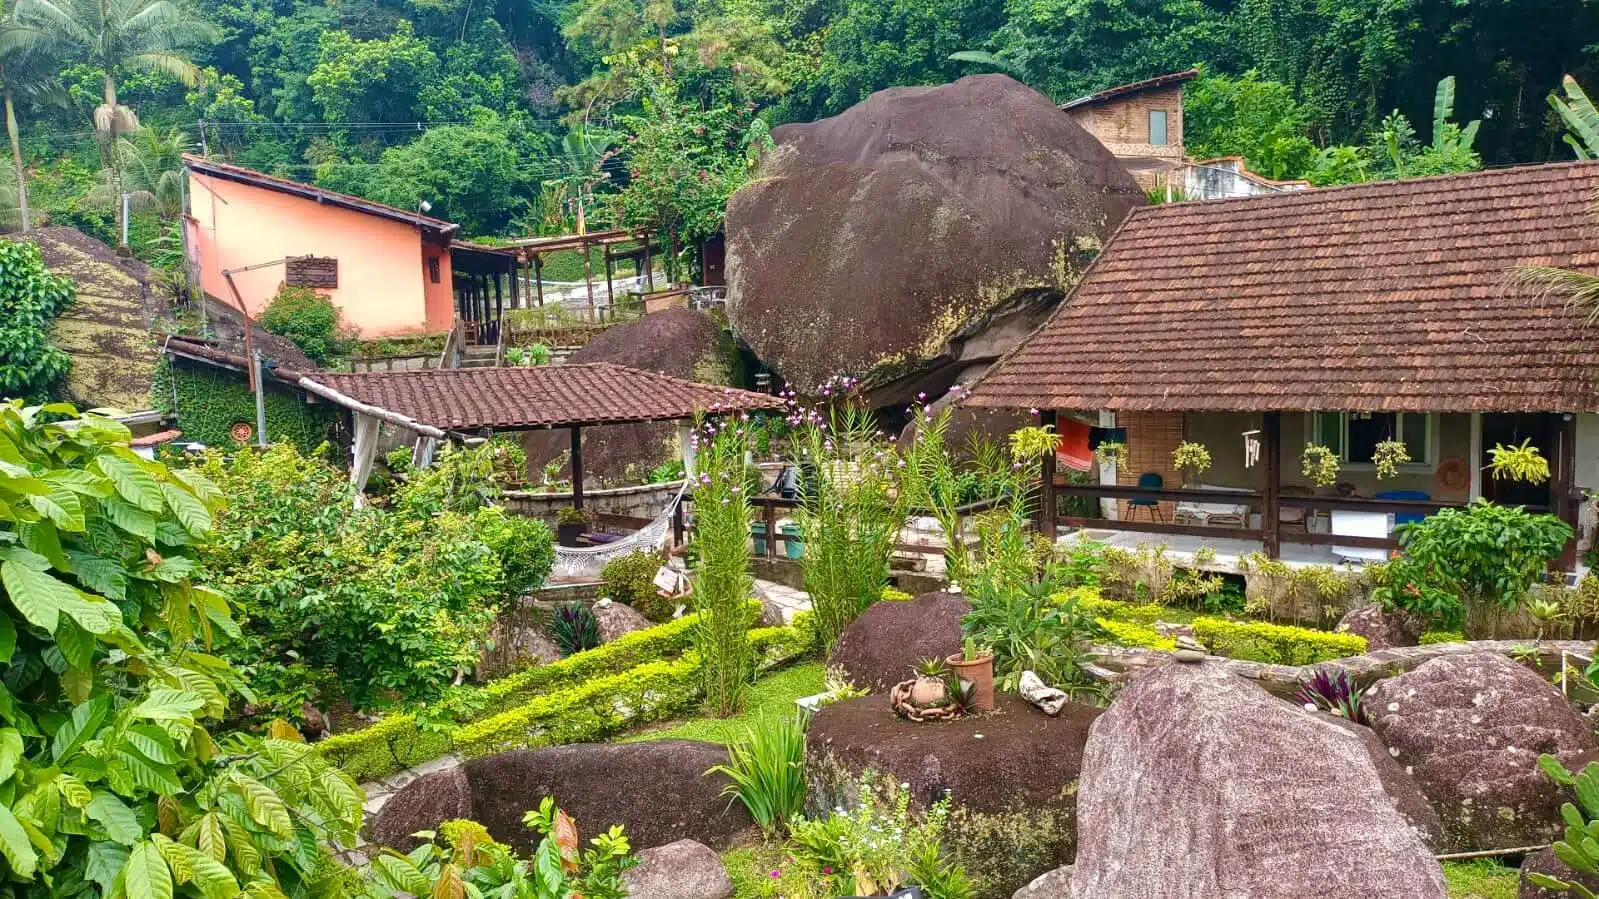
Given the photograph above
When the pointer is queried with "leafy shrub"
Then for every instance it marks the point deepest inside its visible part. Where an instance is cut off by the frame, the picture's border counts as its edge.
(630, 579)
(471, 863)
(461, 480)
(30, 300)
(307, 318)
(574, 628)
(1125, 633)
(377, 606)
(1277, 644)
(875, 848)
(524, 546)
(1457, 561)
(1432, 637)
(767, 770)
(111, 780)
(1029, 630)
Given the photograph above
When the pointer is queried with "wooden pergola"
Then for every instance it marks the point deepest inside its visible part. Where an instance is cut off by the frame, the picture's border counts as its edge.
(621, 244)
(461, 403)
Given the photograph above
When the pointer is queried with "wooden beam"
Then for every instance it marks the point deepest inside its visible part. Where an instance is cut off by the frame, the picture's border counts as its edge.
(577, 468)
(1270, 512)
(538, 277)
(354, 405)
(1563, 484)
(1162, 527)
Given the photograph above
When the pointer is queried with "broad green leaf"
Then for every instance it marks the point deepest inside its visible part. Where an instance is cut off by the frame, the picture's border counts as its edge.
(76, 644)
(10, 752)
(73, 790)
(266, 807)
(400, 875)
(11, 552)
(84, 723)
(133, 483)
(95, 614)
(212, 877)
(155, 778)
(263, 889)
(8, 639)
(129, 518)
(153, 743)
(62, 507)
(146, 876)
(119, 821)
(169, 705)
(106, 860)
(245, 854)
(42, 538)
(14, 844)
(208, 836)
(190, 512)
(79, 481)
(202, 486)
(182, 871)
(102, 575)
(37, 595)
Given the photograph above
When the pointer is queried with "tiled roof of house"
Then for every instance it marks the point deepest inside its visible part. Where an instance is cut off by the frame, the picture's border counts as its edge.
(252, 177)
(1123, 90)
(545, 396)
(1381, 296)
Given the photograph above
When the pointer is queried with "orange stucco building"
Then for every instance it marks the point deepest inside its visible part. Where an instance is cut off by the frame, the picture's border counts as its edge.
(391, 271)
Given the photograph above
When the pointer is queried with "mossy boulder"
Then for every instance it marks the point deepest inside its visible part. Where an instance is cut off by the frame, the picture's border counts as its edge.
(1011, 776)
(895, 239)
(683, 343)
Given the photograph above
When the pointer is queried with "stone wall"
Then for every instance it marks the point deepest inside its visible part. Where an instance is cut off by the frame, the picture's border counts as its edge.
(644, 501)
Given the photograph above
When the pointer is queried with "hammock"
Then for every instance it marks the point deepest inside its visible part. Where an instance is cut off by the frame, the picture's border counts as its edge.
(589, 561)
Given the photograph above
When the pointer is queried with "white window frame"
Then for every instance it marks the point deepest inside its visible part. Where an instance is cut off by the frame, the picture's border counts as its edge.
(1165, 121)
(1313, 434)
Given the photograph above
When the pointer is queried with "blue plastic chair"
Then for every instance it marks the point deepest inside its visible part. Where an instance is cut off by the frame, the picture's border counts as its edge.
(1406, 495)
(1149, 480)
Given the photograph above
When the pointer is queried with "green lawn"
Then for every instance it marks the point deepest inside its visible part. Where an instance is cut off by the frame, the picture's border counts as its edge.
(1480, 879)
(771, 696)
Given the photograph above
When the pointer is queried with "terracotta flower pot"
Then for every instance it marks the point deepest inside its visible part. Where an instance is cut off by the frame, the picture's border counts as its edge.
(980, 672)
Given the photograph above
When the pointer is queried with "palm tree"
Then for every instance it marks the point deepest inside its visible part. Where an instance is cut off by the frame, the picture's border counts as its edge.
(111, 34)
(148, 168)
(27, 76)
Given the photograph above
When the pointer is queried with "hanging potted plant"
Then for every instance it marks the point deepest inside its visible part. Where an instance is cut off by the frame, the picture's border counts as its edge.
(570, 523)
(1522, 462)
(1319, 464)
(975, 665)
(1192, 459)
(1388, 456)
(1112, 452)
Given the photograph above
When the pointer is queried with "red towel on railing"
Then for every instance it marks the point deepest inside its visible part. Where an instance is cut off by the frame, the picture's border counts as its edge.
(1073, 451)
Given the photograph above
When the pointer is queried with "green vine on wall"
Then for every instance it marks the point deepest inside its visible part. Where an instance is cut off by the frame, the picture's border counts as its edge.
(207, 404)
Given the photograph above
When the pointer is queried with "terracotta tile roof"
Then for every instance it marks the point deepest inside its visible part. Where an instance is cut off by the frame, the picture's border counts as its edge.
(1123, 90)
(156, 439)
(545, 396)
(242, 175)
(1382, 296)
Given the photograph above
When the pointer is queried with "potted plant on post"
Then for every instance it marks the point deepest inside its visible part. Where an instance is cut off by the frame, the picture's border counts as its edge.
(975, 665)
(569, 526)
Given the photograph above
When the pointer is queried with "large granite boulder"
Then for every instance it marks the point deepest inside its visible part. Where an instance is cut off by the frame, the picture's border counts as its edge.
(682, 343)
(1383, 629)
(1470, 728)
(882, 645)
(681, 870)
(1011, 776)
(1196, 782)
(617, 620)
(917, 236)
(658, 791)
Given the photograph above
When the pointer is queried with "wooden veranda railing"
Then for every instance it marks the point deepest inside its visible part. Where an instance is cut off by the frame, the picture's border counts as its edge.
(769, 509)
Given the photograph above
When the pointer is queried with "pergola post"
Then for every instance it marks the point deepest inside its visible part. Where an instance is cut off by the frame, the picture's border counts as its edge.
(577, 467)
(1270, 516)
(538, 277)
(588, 272)
(1049, 514)
(610, 290)
(1563, 485)
(685, 438)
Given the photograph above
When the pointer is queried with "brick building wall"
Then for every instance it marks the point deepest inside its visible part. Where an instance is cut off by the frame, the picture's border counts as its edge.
(1151, 439)
(1122, 124)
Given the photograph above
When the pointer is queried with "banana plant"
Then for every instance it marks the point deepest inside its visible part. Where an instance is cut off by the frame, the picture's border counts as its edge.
(1579, 116)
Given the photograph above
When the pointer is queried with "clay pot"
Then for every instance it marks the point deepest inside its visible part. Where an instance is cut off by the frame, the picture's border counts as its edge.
(980, 672)
(928, 691)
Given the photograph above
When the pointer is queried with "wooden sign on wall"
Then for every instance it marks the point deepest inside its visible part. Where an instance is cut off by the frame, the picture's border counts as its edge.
(311, 271)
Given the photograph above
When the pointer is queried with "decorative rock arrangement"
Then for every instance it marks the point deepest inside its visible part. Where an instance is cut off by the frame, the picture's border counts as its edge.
(681, 870)
(1190, 650)
(1470, 728)
(657, 790)
(617, 620)
(883, 644)
(1011, 776)
(1198, 783)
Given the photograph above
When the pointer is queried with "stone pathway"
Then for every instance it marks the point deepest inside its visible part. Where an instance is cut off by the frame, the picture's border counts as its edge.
(786, 598)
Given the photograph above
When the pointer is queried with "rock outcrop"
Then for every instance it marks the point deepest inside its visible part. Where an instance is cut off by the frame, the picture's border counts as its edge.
(1382, 629)
(657, 790)
(1470, 727)
(682, 343)
(681, 870)
(1011, 776)
(917, 236)
(617, 620)
(882, 645)
(1198, 783)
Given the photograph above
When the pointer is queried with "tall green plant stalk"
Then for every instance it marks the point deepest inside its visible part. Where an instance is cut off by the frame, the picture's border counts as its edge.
(723, 582)
(852, 512)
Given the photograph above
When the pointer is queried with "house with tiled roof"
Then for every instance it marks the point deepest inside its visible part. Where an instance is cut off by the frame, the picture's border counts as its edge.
(391, 272)
(1343, 318)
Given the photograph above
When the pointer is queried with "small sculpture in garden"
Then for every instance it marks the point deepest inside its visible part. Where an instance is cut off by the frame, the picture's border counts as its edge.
(1048, 699)
(1190, 650)
(933, 695)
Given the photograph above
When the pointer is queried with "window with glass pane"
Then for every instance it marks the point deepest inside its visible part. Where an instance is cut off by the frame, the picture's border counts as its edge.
(1413, 430)
(1365, 432)
(1329, 431)
(1157, 127)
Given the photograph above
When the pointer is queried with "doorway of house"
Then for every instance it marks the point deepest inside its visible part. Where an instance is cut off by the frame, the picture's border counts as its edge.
(1509, 429)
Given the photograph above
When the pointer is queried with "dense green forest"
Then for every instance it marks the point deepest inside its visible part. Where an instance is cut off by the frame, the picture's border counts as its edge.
(504, 113)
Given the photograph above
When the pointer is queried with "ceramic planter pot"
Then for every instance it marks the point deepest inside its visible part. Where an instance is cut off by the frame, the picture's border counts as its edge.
(568, 534)
(980, 672)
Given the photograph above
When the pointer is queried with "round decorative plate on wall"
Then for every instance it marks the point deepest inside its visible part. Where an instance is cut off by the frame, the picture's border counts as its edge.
(1454, 474)
(241, 431)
